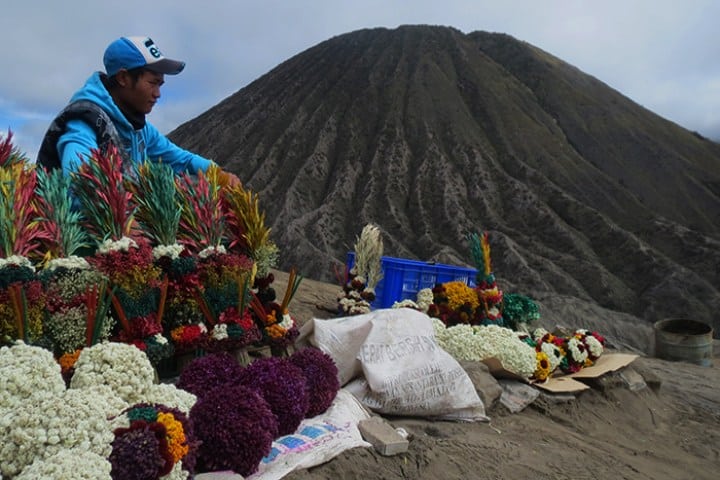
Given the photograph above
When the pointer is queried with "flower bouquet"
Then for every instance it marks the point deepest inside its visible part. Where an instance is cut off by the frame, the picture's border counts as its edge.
(567, 354)
(158, 196)
(279, 330)
(224, 300)
(224, 278)
(22, 299)
(490, 296)
(151, 441)
(122, 254)
(358, 285)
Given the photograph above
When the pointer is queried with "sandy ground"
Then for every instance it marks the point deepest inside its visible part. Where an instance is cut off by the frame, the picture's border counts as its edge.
(668, 429)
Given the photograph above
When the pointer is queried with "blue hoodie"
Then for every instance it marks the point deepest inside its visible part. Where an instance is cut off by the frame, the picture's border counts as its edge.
(79, 138)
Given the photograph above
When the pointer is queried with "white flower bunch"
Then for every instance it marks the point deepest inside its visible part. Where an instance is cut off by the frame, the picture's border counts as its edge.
(354, 306)
(424, 299)
(73, 262)
(172, 251)
(47, 423)
(72, 463)
(407, 303)
(68, 328)
(287, 322)
(122, 245)
(18, 260)
(177, 473)
(24, 370)
(593, 344)
(539, 333)
(212, 250)
(553, 353)
(123, 367)
(465, 342)
(577, 354)
(169, 395)
(219, 332)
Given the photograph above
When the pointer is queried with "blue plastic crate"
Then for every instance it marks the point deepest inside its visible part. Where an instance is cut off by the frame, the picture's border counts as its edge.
(403, 278)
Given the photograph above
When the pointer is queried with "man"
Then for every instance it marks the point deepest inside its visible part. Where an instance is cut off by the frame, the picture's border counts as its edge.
(135, 70)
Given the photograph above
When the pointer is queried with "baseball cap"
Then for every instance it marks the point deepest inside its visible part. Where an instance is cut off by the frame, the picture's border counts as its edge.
(134, 52)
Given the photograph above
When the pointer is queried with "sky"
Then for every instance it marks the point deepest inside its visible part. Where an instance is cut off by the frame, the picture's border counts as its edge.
(662, 54)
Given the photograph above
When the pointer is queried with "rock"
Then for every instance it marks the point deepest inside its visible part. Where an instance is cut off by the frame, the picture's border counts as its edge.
(485, 384)
(386, 440)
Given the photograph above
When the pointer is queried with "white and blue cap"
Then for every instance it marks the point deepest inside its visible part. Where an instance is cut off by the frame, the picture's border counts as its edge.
(133, 52)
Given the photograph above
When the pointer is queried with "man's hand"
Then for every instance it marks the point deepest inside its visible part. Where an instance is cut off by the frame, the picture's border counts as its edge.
(228, 180)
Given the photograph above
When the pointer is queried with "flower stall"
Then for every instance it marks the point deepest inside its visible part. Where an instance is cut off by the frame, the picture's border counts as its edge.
(109, 276)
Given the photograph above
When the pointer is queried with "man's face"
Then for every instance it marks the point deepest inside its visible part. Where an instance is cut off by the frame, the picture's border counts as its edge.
(141, 96)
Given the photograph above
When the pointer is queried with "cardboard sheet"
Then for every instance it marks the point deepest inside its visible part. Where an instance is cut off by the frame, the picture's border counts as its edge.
(608, 362)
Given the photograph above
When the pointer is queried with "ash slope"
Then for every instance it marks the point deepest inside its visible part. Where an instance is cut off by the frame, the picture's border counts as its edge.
(431, 133)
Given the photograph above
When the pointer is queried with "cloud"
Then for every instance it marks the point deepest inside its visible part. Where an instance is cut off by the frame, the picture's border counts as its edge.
(662, 54)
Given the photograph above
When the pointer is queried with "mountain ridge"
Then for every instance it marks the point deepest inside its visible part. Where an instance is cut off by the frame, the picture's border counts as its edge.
(430, 133)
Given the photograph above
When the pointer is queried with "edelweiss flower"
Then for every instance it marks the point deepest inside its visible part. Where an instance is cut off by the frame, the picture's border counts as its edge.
(18, 260)
(72, 262)
(24, 370)
(407, 303)
(219, 332)
(74, 463)
(123, 367)
(424, 299)
(172, 251)
(122, 245)
(287, 321)
(48, 423)
(209, 251)
(465, 342)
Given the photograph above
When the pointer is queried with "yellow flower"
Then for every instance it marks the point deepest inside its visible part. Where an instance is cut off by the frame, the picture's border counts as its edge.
(458, 294)
(177, 445)
(275, 331)
(542, 371)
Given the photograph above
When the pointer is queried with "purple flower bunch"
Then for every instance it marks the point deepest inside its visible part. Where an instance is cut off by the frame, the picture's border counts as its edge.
(156, 438)
(283, 385)
(321, 375)
(209, 371)
(236, 427)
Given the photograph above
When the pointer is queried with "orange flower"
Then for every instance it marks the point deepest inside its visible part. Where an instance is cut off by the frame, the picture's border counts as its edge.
(275, 331)
(177, 445)
(67, 360)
